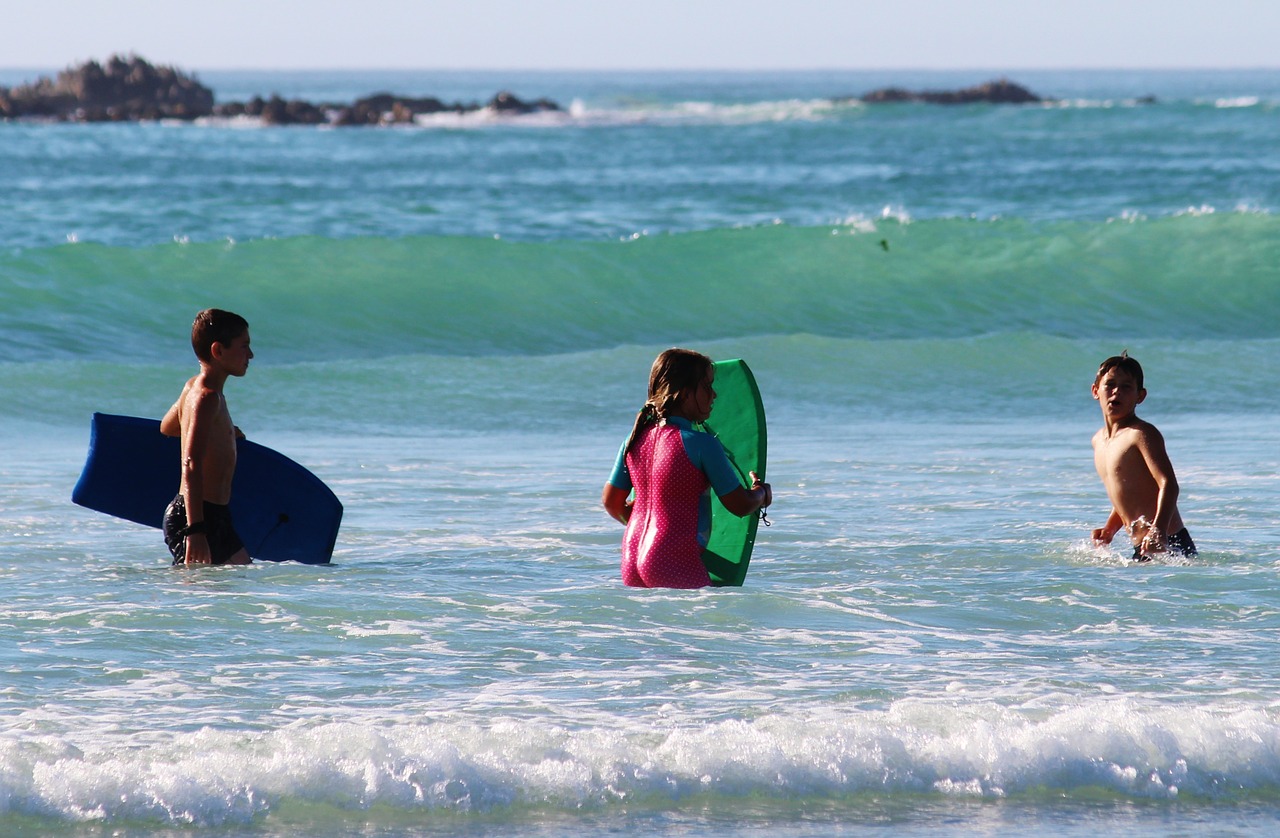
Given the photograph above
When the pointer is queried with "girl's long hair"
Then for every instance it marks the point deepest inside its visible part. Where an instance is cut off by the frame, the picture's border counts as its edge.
(675, 374)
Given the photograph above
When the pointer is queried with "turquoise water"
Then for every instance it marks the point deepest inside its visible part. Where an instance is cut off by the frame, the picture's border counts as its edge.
(453, 323)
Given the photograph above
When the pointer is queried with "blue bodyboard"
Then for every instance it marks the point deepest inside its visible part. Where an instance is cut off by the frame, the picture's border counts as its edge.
(281, 510)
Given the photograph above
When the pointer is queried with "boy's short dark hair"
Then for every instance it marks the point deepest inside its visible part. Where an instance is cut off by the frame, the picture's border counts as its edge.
(1123, 363)
(213, 325)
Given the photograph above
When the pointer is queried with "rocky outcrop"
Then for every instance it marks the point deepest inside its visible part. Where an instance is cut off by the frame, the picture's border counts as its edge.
(132, 89)
(385, 108)
(507, 103)
(125, 88)
(999, 92)
(275, 111)
(377, 109)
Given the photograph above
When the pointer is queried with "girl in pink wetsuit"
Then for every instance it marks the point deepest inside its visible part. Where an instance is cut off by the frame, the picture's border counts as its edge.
(672, 468)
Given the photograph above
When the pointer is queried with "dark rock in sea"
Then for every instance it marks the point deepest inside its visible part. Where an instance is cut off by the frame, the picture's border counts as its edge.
(122, 89)
(132, 89)
(387, 109)
(999, 92)
(277, 111)
(377, 109)
(507, 103)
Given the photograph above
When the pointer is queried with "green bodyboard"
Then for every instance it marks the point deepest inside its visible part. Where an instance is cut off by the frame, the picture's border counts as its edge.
(737, 420)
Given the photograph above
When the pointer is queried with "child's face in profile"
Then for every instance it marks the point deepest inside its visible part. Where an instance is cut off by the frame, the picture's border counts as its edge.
(234, 355)
(697, 405)
(1118, 394)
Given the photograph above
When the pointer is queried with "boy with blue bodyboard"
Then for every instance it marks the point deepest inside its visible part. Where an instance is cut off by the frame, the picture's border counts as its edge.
(197, 523)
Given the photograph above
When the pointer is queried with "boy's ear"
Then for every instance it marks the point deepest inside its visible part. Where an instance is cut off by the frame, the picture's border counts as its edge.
(1142, 396)
(1094, 390)
(216, 349)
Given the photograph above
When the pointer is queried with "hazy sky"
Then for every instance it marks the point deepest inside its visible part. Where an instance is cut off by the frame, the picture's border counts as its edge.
(646, 34)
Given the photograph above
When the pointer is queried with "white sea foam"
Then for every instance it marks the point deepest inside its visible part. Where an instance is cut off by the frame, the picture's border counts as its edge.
(710, 113)
(580, 114)
(896, 212)
(1129, 216)
(857, 223)
(1118, 745)
(240, 121)
(1237, 102)
(1098, 104)
(489, 117)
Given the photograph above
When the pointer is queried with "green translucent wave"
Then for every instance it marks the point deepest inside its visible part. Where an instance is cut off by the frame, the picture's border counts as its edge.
(1198, 277)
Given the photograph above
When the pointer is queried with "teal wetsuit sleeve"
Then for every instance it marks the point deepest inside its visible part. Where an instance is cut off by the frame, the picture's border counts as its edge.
(706, 452)
(620, 477)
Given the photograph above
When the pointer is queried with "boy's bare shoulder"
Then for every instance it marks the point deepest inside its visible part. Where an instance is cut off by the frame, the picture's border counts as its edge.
(1142, 436)
(1137, 429)
(204, 402)
(1146, 430)
(190, 390)
(202, 395)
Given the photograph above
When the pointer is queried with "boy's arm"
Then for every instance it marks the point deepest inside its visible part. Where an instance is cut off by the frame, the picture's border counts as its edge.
(171, 424)
(195, 440)
(1151, 444)
(1107, 531)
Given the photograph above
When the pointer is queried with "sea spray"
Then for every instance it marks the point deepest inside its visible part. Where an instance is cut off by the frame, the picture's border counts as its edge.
(786, 762)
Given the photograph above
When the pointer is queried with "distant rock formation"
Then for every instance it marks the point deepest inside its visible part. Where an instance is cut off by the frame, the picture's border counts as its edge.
(386, 108)
(131, 89)
(125, 88)
(998, 92)
(507, 103)
(377, 109)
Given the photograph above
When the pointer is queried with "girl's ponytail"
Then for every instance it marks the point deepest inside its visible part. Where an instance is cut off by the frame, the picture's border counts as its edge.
(675, 374)
(647, 416)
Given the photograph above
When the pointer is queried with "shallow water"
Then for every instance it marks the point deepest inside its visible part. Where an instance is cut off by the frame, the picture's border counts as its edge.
(926, 641)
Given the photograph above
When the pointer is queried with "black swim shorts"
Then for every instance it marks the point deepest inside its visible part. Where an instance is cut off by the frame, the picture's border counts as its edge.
(219, 531)
(1179, 543)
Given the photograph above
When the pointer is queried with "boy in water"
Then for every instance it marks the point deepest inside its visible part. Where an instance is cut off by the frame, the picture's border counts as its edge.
(197, 524)
(1135, 469)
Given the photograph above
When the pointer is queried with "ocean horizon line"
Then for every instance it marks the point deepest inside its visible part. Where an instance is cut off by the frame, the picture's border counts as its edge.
(735, 70)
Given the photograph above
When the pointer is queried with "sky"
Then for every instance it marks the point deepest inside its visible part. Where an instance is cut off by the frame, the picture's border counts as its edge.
(646, 34)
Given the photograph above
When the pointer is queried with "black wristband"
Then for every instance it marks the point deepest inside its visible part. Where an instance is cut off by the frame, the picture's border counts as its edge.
(198, 528)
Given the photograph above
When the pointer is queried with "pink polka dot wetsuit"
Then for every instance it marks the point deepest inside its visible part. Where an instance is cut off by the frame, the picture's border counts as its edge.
(671, 467)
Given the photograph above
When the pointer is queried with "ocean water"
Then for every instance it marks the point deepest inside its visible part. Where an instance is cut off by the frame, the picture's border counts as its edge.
(453, 324)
